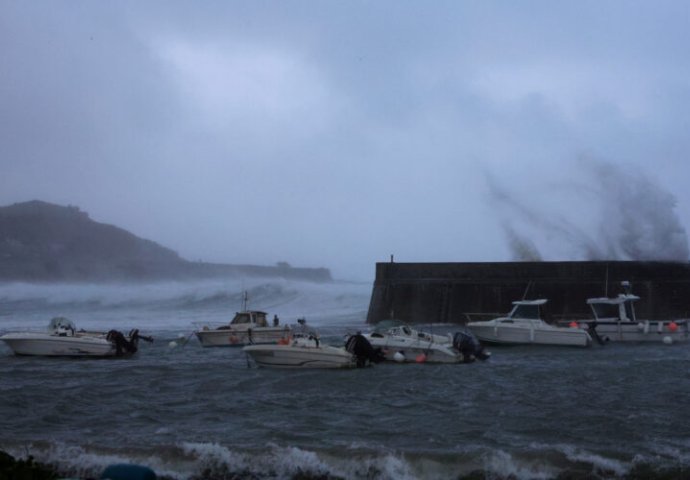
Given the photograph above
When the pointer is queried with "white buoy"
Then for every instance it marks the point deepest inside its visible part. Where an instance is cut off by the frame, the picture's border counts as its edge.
(667, 340)
(172, 344)
(399, 357)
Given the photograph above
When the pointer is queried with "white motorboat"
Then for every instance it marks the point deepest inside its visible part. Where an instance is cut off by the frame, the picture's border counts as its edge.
(524, 326)
(246, 328)
(405, 344)
(62, 339)
(615, 321)
(303, 350)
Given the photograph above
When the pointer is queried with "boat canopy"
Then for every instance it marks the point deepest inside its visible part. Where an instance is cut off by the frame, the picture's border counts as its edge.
(529, 309)
(61, 323)
(615, 300)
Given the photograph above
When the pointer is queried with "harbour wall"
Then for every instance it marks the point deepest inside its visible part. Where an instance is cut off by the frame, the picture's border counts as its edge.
(456, 292)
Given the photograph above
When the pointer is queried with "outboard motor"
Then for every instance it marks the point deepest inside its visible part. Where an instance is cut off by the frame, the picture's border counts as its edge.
(360, 347)
(469, 346)
(592, 330)
(122, 345)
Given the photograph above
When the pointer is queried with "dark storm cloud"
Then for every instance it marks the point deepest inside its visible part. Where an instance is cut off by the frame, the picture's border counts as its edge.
(335, 133)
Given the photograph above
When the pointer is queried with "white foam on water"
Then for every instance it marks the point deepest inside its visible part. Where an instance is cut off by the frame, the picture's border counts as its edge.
(288, 462)
(504, 465)
(275, 462)
(170, 305)
(662, 450)
(602, 464)
(78, 461)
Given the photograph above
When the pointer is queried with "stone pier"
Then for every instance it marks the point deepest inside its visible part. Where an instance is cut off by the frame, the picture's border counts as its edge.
(454, 292)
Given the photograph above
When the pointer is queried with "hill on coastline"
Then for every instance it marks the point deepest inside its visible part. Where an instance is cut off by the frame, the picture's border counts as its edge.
(40, 242)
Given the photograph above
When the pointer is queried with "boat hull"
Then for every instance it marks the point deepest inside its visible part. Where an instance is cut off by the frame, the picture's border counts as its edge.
(231, 337)
(289, 356)
(643, 332)
(405, 351)
(507, 335)
(58, 346)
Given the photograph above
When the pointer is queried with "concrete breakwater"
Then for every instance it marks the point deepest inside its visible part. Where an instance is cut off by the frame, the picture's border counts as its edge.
(455, 292)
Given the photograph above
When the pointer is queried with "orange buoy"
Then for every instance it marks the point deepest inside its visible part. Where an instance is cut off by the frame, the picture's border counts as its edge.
(673, 326)
(421, 358)
(572, 324)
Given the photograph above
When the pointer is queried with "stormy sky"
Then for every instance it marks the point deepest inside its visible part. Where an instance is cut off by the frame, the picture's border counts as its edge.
(336, 133)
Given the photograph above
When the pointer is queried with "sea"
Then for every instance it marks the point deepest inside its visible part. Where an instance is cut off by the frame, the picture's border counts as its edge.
(188, 412)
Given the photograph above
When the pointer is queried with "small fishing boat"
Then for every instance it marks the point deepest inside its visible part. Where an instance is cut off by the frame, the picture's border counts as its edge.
(615, 321)
(405, 344)
(524, 326)
(305, 350)
(62, 339)
(248, 327)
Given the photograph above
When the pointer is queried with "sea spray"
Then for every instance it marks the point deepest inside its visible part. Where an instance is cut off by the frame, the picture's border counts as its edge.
(609, 213)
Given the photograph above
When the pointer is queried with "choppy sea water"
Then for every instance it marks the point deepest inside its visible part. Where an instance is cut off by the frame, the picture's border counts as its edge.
(190, 412)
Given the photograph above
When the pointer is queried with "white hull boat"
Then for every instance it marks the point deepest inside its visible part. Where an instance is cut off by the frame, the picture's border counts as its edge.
(524, 326)
(246, 328)
(62, 340)
(303, 351)
(404, 344)
(615, 321)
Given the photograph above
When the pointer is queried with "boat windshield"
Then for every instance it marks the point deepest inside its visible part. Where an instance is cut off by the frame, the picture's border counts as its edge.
(605, 310)
(241, 318)
(259, 318)
(526, 311)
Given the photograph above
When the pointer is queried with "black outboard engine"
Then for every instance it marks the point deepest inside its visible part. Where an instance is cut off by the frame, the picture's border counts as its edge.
(469, 346)
(122, 345)
(360, 347)
(592, 330)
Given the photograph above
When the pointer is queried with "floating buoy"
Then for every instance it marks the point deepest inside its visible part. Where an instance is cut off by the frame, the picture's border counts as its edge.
(640, 327)
(673, 326)
(421, 358)
(172, 344)
(399, 357)
(572, 324)
(667, 340)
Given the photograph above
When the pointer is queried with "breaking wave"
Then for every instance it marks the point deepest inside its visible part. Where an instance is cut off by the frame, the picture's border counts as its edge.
(207, 461)
(174, 304)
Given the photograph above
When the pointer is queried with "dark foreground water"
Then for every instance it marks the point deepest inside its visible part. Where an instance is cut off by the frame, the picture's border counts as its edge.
(190, 412)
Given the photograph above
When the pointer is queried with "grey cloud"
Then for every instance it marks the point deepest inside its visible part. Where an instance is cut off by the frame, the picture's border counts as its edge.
(337, 133)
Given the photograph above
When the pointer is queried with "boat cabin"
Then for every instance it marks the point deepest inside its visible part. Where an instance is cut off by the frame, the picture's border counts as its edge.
(528, 309)
(249, 317)
(616, 309)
